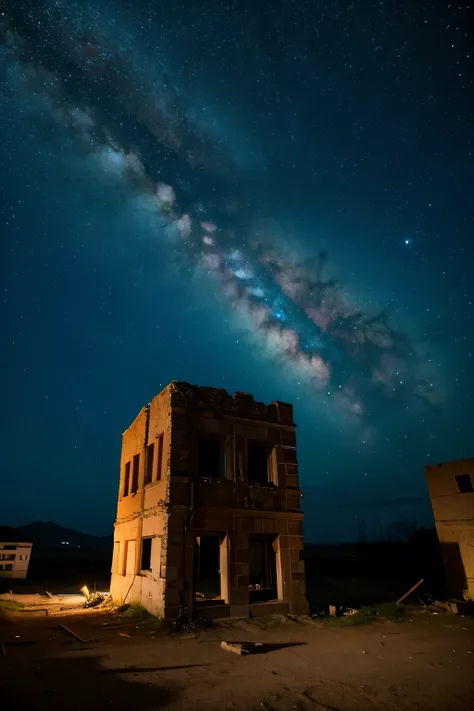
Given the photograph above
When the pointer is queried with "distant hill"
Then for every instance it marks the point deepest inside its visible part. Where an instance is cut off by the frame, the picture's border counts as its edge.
(47, 534)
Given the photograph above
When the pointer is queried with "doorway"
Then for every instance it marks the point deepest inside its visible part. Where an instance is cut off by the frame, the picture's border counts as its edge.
(211, 570)
(262, 570)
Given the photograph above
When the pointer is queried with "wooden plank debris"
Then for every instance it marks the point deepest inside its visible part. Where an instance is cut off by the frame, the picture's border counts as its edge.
(409, 592)
(73, 634)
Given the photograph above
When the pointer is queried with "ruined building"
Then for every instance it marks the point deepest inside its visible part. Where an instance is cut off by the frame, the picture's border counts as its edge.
(451, 487)
(208, 516)
(15, 553)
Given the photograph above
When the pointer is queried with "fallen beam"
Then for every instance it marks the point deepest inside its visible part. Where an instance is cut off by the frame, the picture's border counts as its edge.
(402, 598)
(73, 634)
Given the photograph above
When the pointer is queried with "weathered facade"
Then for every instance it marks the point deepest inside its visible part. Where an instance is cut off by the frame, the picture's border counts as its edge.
(451, 487)
(15, 553)
(208, 516)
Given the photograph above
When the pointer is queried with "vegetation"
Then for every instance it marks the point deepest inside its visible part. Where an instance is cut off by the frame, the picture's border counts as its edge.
(10, 605)
(370, 613)
(136, 612)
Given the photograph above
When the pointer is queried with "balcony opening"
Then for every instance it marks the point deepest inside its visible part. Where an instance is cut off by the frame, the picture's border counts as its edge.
(262, 570)
(211, 458)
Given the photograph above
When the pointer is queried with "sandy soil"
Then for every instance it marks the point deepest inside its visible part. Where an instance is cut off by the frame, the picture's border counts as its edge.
(410, 666)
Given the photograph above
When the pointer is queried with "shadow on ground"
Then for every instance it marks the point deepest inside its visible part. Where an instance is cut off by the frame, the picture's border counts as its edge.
(134, 670)
(75, 682)
(265, 648)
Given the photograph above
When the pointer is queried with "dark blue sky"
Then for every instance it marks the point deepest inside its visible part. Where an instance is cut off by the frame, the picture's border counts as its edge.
(170, 177)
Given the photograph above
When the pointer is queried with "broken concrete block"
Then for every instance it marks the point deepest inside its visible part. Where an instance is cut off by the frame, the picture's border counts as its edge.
(235, 648)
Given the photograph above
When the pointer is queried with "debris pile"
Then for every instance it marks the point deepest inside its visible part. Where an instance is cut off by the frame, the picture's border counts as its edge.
(92, 599)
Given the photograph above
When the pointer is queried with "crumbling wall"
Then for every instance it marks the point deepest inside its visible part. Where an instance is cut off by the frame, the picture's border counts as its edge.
(144, 514)
(178, 505)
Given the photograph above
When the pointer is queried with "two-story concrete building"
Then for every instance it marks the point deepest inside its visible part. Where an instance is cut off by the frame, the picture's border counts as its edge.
(15, 553)
(208, 516)
(451, 487)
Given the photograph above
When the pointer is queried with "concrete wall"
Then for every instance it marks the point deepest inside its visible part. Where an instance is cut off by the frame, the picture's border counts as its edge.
(143, 514)
(228, 506)
(454, 517)
(178, 505)
(19, 559)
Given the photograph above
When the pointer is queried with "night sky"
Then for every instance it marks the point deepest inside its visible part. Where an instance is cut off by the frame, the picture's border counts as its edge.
(273, 197)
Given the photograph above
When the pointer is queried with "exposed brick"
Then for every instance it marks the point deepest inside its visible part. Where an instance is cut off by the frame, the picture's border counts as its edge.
(293, 502)
(238, 540)
(296, 542)
(280, 525)
(239, 555)
(267, 525)
(241, 525)
(288, 455)
(294, 527)
(288, 438)
(242, 581)
(255, 525)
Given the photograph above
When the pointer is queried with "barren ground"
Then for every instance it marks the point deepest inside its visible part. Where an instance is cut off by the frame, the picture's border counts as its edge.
(412, 665)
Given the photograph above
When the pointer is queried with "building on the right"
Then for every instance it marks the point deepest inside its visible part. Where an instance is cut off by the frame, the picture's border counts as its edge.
(451, 487)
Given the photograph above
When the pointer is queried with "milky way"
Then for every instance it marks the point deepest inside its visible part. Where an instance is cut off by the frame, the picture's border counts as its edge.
(130, 124)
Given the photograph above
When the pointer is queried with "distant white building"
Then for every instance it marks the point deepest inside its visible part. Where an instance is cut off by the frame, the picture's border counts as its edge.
(15, 553)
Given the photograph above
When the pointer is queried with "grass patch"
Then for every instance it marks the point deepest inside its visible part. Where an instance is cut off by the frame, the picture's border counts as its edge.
(137, 612)
(11, 605)
(141, 616)
(370, 613)
(364, 616)
(391, 611)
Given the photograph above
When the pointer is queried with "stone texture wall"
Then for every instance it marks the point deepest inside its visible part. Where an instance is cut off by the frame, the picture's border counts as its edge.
(179, 505)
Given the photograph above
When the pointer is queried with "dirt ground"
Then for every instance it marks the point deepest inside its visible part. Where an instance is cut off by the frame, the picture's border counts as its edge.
(124, 665)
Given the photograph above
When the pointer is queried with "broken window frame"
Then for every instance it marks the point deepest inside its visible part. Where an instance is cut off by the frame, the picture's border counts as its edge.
(126, 480)
(135, 473)
(464, 483)
(149, 463)
(145, 540)
(271, 463)
(159, 456)
(222, 467)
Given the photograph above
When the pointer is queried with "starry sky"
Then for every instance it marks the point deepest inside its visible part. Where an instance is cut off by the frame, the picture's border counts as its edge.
(270, 197)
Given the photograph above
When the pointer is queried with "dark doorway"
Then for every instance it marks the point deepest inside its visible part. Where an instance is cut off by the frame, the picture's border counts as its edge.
(257, 459)
(211, 457)
(207, 573)
(262, 570)
(146, 554)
